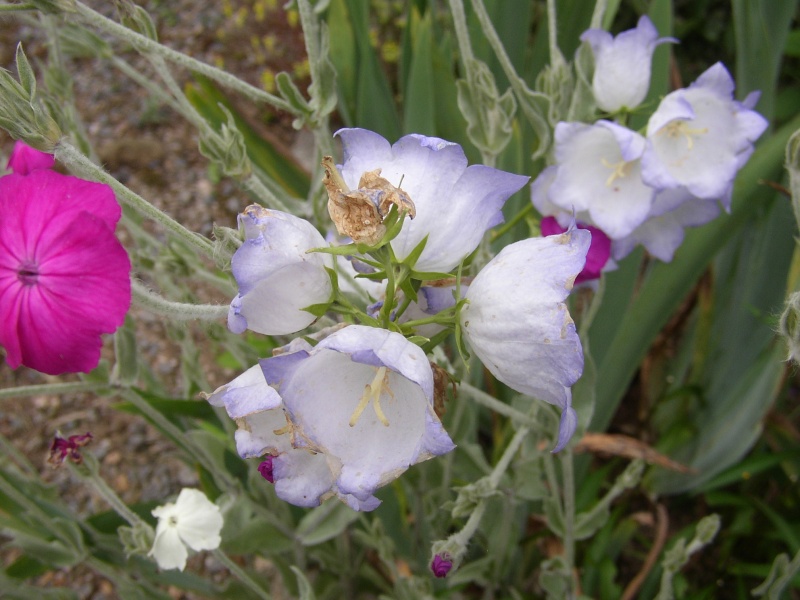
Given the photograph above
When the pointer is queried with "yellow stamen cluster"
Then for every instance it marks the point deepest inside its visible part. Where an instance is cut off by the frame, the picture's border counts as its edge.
(619, 170)
(680, 128)
(373, 392)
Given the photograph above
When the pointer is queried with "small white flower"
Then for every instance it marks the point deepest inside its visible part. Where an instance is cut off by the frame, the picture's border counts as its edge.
(193, 521)
(623, 64)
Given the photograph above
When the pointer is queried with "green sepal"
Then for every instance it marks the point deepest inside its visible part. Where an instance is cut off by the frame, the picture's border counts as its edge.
(26, 77)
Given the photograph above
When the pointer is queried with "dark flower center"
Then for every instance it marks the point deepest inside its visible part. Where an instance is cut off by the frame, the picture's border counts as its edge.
(28, 273)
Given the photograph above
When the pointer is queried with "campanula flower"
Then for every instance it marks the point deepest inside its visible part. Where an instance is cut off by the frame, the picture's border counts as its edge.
(277, 275)
(64, 276)
(301, 477)
(360, 404)
(516, 322)
(622, 64)
(25, 159)
(599, 173)
(454, 203)
(699, 137)
(191, 521)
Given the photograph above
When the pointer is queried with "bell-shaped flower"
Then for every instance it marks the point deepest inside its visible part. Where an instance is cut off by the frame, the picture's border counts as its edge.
(191, 521)
(64, 276)
(455, 203)
(622, 64)
(673, 211)
(599, 172)
(277, 275)
(300, 477)
(361, 404)
(516, 321)
(25, 159)
(699, 137)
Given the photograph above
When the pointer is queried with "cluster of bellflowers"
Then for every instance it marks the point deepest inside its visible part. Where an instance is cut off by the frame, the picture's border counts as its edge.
(629, 187)
(342, 411)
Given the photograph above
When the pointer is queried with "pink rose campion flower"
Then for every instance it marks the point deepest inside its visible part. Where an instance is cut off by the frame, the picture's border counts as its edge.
(25, 159)
(64, 276)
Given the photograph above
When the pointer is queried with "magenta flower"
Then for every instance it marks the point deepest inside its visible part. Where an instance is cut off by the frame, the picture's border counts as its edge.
(25, 159)
(440, 565)
(599, 249)
(64, 276)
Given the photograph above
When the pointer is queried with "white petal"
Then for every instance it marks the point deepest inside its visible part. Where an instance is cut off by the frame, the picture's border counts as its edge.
(249, 393)
(168, 550)
(199, 521)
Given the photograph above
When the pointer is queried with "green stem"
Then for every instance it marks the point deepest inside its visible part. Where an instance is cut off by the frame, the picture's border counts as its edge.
(89, 473)
(16, 7)
(241, 574)
(223, 479)
(552, 33)
(568, 491)
(46, 389)
(497, 46)
(502, 408)
(70, 156)
(511, 223)
(508, 454)
(468, 64)
(598, 14)
(175, 311)
(147, 45)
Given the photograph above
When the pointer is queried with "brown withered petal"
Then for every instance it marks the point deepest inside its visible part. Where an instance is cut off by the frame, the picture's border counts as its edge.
(441, 381)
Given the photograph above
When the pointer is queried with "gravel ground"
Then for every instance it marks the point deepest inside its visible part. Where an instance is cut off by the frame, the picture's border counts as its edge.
(154, 152)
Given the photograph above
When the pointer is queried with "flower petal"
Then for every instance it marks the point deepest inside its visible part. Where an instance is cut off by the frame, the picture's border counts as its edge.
(168, 549)
(199, 520)
(516, 322)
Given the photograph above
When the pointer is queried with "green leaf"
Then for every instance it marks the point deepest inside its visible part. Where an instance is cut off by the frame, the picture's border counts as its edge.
(419, 101)
(306, 592)
(375, 105)
(761, 28)
(325, 522)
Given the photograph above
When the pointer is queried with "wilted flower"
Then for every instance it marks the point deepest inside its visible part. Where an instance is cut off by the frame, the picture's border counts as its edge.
(455, 204)
(361, 403)
(193, 521)
(441, 566)
(25, 159)
(64, 276)
(699, 137)
(517, 324)
(622, 64)
(277, 275)
(61, 449)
